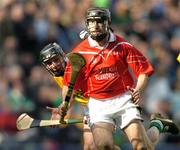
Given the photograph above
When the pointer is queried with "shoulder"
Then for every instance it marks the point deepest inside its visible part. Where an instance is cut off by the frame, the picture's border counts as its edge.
(121, 44)
(59, 81)
(82, 45)
(121, 41)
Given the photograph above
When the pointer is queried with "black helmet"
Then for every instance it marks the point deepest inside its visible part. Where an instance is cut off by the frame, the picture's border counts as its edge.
(50, 51)
(97, 13)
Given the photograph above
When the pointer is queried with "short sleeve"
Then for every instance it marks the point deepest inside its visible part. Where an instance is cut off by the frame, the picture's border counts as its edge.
(138, 62)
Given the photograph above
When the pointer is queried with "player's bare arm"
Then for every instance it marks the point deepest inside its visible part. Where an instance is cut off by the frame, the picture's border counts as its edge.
(140, 86)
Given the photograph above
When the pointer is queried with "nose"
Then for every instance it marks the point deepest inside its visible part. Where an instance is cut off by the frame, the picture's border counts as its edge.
(52, 64)
(95, 23)
(95, 26)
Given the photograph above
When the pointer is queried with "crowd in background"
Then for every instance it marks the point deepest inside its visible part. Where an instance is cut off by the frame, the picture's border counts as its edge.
(26, 26)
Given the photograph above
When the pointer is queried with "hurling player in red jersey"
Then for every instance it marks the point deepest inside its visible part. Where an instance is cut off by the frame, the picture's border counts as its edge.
(113, 93)
(54, 60)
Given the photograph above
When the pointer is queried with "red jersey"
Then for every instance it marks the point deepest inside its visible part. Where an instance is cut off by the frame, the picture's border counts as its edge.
(106, 73)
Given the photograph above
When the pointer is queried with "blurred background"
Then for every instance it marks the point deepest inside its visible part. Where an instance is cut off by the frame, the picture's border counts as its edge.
(26, 26)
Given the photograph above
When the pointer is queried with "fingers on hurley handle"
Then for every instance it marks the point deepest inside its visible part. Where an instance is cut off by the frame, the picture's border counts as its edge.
(130, 89)
(64, 110)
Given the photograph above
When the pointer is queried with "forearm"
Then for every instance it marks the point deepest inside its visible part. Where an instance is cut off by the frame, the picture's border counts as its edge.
(141, 82)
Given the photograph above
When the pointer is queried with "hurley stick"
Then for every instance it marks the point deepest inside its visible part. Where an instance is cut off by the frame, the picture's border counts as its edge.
(77, 63)
(24, 122)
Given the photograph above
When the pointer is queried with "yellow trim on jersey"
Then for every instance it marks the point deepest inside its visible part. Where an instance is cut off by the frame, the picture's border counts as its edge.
(178, 58)
(59, 81)
(80, 98)
(77, 96)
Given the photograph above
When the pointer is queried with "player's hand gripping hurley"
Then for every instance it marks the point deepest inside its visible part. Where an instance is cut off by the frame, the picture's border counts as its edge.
(77, 63)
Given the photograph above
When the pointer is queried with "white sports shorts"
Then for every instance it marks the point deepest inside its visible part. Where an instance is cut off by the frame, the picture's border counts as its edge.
(119, 110)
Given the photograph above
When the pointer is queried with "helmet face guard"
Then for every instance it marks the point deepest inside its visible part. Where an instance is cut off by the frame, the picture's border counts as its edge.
(53, 59)
(100, 15)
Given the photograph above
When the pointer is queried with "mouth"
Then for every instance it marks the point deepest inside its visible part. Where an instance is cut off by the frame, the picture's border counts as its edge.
(57, 68)
(95, 32)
